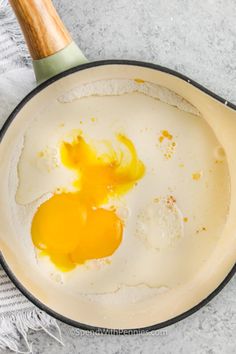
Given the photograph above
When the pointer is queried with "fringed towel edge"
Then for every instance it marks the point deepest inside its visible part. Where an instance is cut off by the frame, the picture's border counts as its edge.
(15, 326)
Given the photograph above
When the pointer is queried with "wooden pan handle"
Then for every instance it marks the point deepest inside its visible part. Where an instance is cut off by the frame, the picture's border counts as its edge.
(43, 29)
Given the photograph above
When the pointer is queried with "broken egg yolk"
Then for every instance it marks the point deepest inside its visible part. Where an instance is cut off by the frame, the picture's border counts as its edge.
(72, 228)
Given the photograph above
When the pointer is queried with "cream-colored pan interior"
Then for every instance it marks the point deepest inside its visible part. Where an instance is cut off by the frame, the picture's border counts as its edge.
(202, 267)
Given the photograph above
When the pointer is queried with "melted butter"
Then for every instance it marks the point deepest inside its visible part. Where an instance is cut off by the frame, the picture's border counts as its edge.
(72, 228)
(196, 176)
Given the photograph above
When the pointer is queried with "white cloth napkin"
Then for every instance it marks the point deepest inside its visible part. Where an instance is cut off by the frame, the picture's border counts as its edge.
(17, 314)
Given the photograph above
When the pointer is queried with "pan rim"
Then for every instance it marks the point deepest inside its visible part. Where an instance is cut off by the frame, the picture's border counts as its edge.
(16, 281)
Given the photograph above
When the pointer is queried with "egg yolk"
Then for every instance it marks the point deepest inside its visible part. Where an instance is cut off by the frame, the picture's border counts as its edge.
(72, 228)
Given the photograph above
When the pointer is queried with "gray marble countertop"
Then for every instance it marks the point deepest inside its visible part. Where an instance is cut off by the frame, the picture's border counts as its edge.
(198, 39)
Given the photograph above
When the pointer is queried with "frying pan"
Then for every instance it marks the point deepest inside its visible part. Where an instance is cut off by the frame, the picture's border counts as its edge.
(59, 67)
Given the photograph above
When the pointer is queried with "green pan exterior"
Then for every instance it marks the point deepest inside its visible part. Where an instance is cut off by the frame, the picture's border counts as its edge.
(65, 59)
